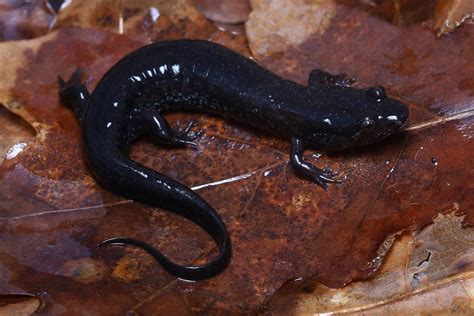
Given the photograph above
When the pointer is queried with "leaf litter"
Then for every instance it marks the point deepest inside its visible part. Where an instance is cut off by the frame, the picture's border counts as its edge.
(282, 228)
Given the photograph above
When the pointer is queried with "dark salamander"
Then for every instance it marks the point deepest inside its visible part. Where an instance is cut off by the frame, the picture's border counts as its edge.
(189, 75)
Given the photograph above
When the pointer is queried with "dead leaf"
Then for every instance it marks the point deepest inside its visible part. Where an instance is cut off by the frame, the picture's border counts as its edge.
(407, 70)
(290, 24)
(449, 15)
(404, 12)
(444, 16)
(24, 19)
(18, 304)
(52, 213)
(428, 271)
(15, 133)
(226, 11)
(148, 20)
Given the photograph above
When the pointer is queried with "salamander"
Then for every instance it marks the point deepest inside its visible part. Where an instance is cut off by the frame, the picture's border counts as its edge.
(192, 75)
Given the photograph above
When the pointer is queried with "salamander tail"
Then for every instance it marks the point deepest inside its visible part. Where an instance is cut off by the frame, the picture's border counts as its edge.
(191, 273)
(133, 180)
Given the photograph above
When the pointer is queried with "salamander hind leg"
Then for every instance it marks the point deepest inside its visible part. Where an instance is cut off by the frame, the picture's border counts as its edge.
(151, 122)
(319, 77)
(73, 93)
(321, 177)
(187, 135)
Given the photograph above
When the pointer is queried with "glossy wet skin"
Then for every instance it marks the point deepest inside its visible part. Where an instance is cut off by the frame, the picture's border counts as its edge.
(200, 76)
(354, 117)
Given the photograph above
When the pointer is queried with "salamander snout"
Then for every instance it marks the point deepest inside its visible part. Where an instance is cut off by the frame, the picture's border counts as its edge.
(397, 117)
(381, 118)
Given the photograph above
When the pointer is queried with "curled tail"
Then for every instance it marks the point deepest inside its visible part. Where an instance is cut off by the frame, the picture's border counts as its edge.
(135, 181)
(116, 172)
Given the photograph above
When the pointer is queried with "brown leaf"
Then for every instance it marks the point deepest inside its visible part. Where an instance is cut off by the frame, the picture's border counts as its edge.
(18, 304)
(425, 272)
(224, 11)
(417, 69)
(404, 12)
(147, 19)
(15, 133)
(449, 15)
(289, 25)
(444, 16)
(24, 19)
(52, 213)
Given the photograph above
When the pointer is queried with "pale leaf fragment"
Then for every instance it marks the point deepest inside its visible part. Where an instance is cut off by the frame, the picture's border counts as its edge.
(19, 305)
(428, 271)
(273, 25)
(449, 15)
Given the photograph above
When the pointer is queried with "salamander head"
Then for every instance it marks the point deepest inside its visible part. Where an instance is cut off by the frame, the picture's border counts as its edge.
(355, 117)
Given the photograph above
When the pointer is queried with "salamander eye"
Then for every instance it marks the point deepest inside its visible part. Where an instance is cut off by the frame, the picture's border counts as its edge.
(377, 92)
(367, 124)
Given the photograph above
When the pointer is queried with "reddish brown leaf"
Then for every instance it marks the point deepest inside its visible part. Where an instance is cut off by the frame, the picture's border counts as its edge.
(18, 304)
(165, 20)
(449, 15)
(24, 19)
(429, 271)
(226, 11)
(418, 69)
(52, 213)
(405, 12)
(443, 16)
(15, 133)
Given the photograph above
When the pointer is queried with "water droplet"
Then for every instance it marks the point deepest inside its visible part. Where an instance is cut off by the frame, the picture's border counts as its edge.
(15, 150)
(154, 13)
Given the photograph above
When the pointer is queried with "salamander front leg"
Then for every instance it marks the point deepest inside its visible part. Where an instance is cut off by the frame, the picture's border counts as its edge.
(321, 177)
(151, 122)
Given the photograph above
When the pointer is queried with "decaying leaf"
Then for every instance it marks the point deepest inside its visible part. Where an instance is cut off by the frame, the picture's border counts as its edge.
(150, 20)
(15, 133)
(24, 19)
(226, 11)
(444, 16)
(52, 213)
(161, 19)
(18, 304)
(449, 15)
(290, 23)
(403, 12)
(426, 271)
